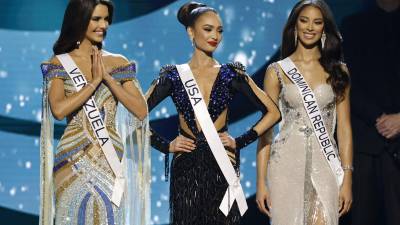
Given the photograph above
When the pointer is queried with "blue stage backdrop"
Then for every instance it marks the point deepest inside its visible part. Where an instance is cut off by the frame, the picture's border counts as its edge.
(150, 35)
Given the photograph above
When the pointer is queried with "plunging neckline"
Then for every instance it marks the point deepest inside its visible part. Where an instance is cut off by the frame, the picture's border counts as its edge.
(212, 87)
(208, 104)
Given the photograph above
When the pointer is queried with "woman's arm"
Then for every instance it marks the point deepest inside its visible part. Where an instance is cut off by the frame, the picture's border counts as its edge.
(245, 85)
(345, 142)
(272, 88)
(344, 133)
(158, 91)
(273, 114)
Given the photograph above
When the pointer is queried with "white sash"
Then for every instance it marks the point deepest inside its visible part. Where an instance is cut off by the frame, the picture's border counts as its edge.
(316, 119)
(234, 191)
(93, 114)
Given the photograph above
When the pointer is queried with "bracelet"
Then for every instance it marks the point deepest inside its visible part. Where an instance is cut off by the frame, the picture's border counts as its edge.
(348, 167)
(92, 86)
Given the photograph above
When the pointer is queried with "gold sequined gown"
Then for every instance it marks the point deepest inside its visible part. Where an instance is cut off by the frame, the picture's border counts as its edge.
(82, 176)
(302, 187)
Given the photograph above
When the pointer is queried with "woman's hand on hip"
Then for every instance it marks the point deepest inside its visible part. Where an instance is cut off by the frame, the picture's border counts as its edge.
(182, 144)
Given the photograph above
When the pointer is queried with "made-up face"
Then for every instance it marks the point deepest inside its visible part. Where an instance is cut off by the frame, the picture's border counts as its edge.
(309, 25)
(207, 32)
(98, 24)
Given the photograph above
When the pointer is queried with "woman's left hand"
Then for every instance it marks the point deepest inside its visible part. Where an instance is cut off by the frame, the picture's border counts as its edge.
(227, 140)
(345, 198)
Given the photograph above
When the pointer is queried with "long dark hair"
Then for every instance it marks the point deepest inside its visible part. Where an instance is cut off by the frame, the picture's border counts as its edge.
(332, 53)
(191, 11)
(76, 20)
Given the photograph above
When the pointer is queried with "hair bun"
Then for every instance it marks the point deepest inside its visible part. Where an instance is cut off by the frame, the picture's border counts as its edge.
(185, 10)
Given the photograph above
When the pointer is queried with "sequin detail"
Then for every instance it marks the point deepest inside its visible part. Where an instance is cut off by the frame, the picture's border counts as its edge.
(50, 71)
(219, 98)
(124, 73)
(68, 154)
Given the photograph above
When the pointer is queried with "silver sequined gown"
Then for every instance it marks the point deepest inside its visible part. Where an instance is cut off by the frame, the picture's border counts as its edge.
(302, 187)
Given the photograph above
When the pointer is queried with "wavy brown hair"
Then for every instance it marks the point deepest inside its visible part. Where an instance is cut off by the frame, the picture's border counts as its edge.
(332, 53)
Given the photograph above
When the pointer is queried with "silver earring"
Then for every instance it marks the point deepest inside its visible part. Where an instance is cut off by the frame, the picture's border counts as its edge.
(78, 43)
(192, 40)
(295, 36)
(323, 39)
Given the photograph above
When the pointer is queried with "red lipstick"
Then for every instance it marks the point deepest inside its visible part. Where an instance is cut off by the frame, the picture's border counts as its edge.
(212, 43)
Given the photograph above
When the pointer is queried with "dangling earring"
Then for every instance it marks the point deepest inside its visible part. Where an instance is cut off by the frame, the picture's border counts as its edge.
(323, 39)
(295, 37)
(77, 44)
(192, 40)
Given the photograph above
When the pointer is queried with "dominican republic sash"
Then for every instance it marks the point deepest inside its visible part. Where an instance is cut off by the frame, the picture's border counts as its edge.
(234, 191)
(96, 122)
(316, 119)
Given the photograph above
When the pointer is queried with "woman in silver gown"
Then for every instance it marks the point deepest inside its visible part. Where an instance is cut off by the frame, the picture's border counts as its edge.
(295, 184)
